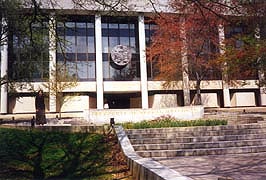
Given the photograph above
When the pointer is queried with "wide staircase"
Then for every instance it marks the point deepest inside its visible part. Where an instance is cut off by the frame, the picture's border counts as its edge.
(197, 141)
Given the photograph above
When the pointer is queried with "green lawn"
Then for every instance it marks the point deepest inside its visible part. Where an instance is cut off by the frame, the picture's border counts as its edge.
(34, 154)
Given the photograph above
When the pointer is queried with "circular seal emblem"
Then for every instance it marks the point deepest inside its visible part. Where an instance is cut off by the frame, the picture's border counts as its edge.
(121, 55)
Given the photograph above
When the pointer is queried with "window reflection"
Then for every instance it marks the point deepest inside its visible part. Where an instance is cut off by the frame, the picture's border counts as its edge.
(29, 52)
(150, 29)
(77, 46)
(120, 31)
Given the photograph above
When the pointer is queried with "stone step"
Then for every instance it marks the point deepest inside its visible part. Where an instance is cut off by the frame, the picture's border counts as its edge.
(262, 123)
(197, 145)
(235, 118)
(197, 139)
(197, 128)
(197, 133)
(202, 152)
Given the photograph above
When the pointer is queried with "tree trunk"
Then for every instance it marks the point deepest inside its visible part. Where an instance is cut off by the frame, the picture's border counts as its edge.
(197, 99)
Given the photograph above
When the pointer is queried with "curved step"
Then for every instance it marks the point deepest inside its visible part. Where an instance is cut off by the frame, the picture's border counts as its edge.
(196, 145)
(196, 128)
(197, 139)
(197, 133)
(202, 152)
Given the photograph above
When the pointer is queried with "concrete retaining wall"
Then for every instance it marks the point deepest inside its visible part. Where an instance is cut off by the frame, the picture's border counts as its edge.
(64, 128)
(96, 116)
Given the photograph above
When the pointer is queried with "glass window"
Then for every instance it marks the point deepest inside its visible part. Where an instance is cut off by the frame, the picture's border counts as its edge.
(113, 26)
(70, 29)
(91, 57)
(82, 56)
(123, 26)
(113, 32)
(71, 68)
(70, 44)
(105, 32)
(79, 44)
(81, 31)
(105, 44)
(70, 56)
(91, 45)
(124, 32)
(132, 33)
(119, 31)
(82, 67)
(113, 42)
(90, 25)
(80, 25)
(91, 70)
(150, 29)
(133, 44)
(60, 44)
(104, 25)
(90, 32)
(29, 55)
(106, 69)
(124, 41)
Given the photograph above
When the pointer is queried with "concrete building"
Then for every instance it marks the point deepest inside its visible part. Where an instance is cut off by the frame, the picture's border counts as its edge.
(95, 41)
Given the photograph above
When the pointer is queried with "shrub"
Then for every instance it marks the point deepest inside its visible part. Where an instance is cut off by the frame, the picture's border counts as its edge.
(168, 121)
(36, 154)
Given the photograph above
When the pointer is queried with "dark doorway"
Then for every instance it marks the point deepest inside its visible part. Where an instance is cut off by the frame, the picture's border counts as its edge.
(118, 101)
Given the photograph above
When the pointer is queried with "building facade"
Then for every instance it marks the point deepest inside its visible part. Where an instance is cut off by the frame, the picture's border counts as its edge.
(107, 54)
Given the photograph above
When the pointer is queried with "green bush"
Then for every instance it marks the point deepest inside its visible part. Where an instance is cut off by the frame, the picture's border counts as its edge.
(168, 121)
(33, 154)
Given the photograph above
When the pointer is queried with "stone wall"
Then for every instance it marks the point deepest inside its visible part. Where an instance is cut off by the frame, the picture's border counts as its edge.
(103, 116)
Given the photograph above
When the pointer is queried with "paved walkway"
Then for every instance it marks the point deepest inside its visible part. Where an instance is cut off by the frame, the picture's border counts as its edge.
(236, 167)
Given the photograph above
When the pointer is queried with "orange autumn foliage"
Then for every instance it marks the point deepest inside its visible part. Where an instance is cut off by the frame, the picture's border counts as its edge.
(200, 28)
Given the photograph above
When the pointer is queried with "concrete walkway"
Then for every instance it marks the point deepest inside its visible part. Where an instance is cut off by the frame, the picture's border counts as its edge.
(224, 167)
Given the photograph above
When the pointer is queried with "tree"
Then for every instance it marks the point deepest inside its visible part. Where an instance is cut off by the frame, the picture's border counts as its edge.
(25, 31)
(61, 80)
(196, 30)
(245, 49)
(192, 32)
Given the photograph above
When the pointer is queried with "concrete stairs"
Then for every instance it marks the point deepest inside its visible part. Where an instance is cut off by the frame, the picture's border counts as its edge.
(197, 141)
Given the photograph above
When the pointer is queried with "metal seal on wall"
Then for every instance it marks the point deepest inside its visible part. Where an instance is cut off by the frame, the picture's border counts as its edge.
(121, 55)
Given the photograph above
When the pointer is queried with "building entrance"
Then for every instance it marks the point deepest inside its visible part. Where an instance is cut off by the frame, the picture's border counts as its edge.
(118, 101)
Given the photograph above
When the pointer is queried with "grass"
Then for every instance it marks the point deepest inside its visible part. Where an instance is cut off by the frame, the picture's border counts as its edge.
(168, 121)
(34, 154)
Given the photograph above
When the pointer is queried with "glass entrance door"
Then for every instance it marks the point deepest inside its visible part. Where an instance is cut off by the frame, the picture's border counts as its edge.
(118, 101)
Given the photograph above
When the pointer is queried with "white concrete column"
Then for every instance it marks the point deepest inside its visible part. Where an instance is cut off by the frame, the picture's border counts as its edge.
(186, 89)
(261, 75)
(262, 89)
(4, 68)
(226, 90)
(143, 64)
(262, 96)
(52, 60)
(99, 61)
